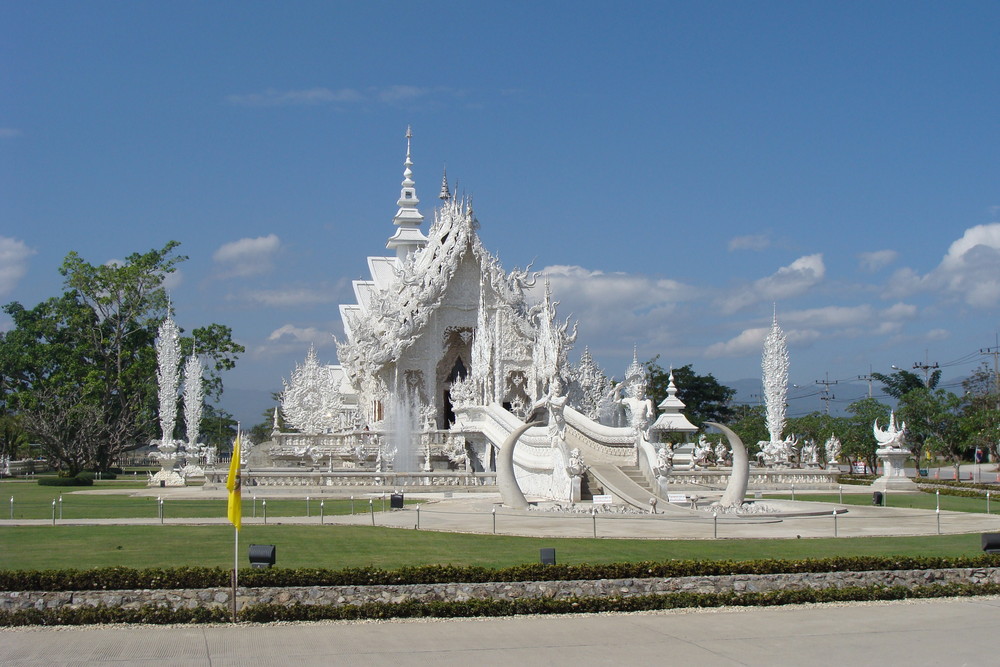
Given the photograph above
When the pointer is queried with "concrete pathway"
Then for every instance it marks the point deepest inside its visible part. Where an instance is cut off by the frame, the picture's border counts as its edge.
(482, 513)
(927, 632)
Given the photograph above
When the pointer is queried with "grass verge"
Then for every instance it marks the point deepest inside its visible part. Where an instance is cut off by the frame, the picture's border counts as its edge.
(58, 547)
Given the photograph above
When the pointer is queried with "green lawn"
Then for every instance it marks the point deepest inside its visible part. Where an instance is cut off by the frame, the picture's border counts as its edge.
(46, 547)
(32, 501)
(919, 500)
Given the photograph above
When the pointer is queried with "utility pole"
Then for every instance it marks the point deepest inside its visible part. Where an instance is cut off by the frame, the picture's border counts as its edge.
(868, 378)
(995, 352)
(926, 366)
(827, 397)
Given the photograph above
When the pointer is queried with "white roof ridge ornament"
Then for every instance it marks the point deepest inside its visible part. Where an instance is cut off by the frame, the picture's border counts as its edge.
(408, 237)
(445, 194)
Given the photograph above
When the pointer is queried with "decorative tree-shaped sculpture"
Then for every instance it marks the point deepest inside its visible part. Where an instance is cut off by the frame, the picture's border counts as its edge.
(168, 355)
(311, 400)
(590, 385)
(774, 365)
(194, 397)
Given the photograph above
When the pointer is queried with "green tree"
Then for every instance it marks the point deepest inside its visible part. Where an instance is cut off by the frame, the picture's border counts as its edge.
(816, 426)
(858, 441)
(980, 419)
(13, 438)
(933, 424)
(705, 399)
(218, 428)
(902, 382)
(750, 423)
(80, 369)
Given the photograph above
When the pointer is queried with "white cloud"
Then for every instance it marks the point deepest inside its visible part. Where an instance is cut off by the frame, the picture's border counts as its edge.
(864, 316)
(873, 261)
(400, 93)
(786, 282)
(309, 96)
(14, 256)
(969, 271)
(292, 339)
(302, 334)
(618, 308)
(751, 342)
(247, 256)
(291, 297)
(396, 94)
(751, 242)
(938, 335)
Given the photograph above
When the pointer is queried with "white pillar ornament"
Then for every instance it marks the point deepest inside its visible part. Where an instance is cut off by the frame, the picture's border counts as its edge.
(774, 365)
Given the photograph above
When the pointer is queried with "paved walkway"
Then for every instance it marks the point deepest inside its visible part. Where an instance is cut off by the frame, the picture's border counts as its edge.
(482, 513)
(925, 632)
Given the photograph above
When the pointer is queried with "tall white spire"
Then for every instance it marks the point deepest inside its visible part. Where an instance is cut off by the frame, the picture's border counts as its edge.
(408, 237)
(774, 364)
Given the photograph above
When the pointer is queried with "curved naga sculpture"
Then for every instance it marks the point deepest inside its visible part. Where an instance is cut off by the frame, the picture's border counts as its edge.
(736, 490)
(510, 492)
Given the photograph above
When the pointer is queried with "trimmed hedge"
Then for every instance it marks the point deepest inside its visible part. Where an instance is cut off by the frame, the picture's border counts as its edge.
(83, 479)
(956, 484)
(122, 578)
(859, 480)
(262, 613)
(267, 613)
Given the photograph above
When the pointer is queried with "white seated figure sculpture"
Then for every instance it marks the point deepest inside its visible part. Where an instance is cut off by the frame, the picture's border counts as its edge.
(809, 455)
(832, 449)
(892, 452)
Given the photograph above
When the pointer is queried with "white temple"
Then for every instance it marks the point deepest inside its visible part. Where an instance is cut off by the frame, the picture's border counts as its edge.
(445, 358)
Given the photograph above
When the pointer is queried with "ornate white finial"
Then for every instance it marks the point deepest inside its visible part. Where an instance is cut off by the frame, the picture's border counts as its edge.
(408, 237)
(445, 194)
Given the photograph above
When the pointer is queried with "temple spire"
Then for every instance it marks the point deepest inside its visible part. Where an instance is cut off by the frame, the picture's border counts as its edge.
(445, 194)
(408, 237)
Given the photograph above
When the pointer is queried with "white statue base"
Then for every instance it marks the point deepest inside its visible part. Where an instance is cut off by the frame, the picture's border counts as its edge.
(893, 473)
(166, 478)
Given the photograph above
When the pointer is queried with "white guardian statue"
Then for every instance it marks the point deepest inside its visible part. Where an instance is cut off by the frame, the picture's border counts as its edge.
(892, 452)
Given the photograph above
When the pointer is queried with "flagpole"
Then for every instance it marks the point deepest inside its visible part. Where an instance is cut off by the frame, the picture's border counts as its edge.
(236, 528)
(236, 569)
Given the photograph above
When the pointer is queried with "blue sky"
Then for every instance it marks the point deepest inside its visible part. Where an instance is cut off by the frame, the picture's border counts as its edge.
(675, 168)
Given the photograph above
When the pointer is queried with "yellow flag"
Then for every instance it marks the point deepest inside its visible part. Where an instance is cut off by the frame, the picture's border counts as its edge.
(233, 484)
